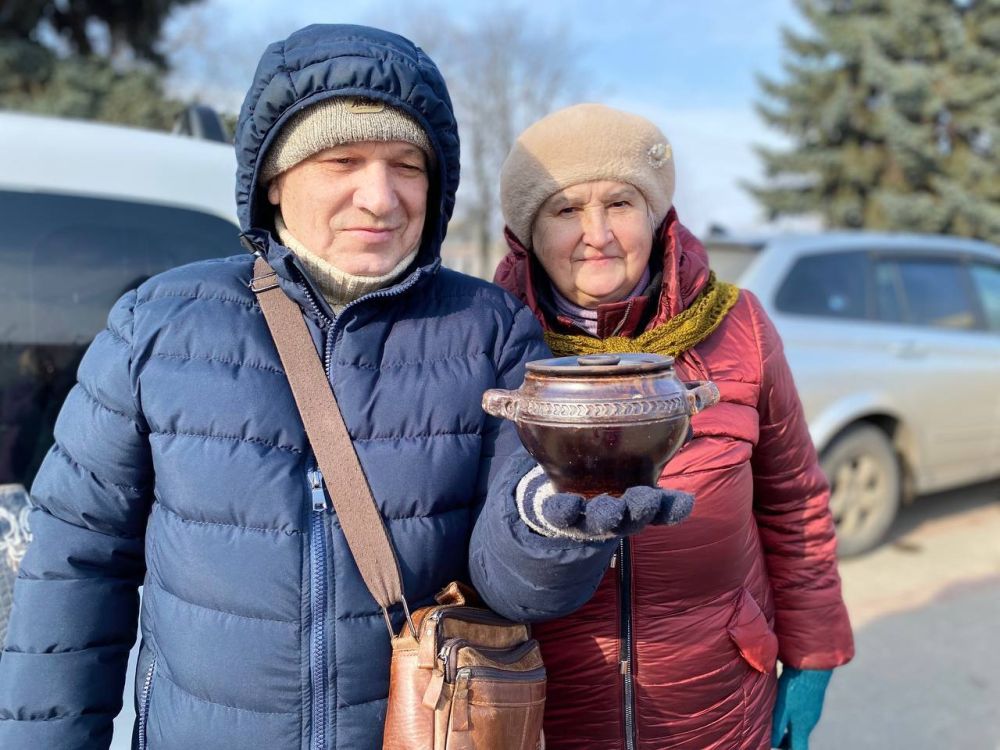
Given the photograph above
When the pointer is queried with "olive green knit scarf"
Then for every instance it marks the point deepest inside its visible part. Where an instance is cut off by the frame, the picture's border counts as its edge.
(680, 333)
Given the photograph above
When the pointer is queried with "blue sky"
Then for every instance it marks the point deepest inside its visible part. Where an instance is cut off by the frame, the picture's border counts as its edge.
(688, 66)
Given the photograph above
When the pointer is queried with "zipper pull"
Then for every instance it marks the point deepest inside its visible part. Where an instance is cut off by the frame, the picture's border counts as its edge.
(435, 689)
(316, 486)
(460, 702)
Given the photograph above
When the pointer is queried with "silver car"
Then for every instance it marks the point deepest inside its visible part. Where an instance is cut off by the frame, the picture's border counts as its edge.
(894, 342)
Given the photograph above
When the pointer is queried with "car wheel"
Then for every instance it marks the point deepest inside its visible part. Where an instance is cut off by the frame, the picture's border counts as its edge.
(864, 487)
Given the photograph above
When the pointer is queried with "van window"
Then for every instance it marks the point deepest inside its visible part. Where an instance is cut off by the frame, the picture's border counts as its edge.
(65, 260)
(831, 285)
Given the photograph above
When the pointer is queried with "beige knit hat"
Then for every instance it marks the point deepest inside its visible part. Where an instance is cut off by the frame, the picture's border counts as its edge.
(582, 143)
(336, 121)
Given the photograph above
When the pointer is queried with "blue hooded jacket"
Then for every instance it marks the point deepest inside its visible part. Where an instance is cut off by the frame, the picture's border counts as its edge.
(181, 464)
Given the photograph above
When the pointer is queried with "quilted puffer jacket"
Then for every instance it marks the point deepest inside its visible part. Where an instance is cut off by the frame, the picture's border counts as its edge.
(181, 462)
(677, 649)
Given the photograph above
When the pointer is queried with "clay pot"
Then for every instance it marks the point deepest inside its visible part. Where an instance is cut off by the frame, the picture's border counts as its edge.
(602, 423)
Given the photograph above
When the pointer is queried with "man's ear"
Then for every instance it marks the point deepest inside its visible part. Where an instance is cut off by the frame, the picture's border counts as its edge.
(274, 191)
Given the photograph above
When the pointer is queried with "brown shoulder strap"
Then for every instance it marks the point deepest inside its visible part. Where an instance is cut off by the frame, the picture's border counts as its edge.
(359, 516)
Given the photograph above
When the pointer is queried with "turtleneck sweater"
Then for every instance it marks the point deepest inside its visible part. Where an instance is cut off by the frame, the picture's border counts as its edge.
(585, 317)
(338, 288)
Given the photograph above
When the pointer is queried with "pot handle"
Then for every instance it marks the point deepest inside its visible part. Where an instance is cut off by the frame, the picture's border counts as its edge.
(501, 403)
(701, 394)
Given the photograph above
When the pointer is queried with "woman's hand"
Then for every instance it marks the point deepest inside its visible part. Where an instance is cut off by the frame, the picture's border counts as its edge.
(563, 514)
(798, 706)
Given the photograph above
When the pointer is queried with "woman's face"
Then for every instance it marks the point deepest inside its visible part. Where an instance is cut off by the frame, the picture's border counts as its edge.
(594, 240)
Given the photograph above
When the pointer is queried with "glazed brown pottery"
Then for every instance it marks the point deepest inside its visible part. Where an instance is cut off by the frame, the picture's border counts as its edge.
(602, 423)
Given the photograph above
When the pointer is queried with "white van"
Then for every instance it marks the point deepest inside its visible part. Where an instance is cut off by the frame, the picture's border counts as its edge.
(87, 212)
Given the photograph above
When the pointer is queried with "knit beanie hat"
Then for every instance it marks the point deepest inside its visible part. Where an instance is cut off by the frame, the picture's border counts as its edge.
(333, 122)
(583, 143)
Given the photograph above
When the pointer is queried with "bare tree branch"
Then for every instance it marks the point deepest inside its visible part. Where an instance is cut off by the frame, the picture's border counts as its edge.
(503, 73)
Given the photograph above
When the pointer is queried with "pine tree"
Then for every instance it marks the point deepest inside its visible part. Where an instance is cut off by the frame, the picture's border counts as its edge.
(894, 110)
(90, 59)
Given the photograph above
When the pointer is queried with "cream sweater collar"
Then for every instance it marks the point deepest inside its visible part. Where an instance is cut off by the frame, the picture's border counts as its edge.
(337, 287)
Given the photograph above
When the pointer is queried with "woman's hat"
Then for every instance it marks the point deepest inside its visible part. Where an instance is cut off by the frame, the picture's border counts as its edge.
(583, 143)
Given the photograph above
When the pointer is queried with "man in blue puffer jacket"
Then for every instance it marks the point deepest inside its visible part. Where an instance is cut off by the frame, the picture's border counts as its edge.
(181, 463)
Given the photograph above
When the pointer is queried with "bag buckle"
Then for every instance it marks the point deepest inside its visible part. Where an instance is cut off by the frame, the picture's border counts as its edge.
(409, 620)
(260, 284)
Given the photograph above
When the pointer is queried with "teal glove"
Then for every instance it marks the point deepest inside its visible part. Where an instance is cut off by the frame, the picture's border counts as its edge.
(797, 709)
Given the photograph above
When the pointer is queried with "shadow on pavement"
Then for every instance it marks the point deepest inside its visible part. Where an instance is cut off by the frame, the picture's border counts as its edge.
(923, 679)
(928, 508)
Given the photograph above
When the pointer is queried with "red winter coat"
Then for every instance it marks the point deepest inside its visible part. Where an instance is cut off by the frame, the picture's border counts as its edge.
(681, 638)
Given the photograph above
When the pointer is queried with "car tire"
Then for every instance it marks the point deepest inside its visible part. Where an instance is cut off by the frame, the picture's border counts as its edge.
(865, 484)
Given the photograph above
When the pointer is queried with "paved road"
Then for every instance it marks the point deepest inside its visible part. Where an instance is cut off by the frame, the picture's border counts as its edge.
(926, 612)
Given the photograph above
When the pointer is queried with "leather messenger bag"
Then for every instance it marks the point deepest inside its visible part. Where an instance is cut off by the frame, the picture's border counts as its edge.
(461, 676)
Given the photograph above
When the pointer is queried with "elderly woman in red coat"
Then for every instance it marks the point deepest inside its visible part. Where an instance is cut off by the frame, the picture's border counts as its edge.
(679, 646)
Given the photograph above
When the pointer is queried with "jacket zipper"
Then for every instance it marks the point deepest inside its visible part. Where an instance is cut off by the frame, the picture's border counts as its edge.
(147, 686)
(317, 608)
(334, 331)
(625, 653)
(320, 315)
(331, 324)
(317, 545)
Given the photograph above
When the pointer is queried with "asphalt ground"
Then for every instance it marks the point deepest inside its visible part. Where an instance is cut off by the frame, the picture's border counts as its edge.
(926, 613)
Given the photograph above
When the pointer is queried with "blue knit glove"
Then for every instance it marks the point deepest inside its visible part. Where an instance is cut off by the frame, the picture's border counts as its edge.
(563, 514)
(797, 709)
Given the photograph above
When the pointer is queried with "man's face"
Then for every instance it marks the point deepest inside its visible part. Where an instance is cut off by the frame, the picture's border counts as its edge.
(359, 206)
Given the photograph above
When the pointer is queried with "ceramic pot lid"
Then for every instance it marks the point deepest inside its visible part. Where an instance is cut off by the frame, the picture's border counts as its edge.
(614, 365)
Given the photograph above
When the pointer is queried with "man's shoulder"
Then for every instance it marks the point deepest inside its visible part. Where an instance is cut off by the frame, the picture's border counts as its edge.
(214, 278)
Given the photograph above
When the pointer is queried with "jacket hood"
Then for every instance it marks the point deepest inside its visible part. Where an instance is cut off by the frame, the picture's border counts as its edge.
(685, 270)
(326, 60)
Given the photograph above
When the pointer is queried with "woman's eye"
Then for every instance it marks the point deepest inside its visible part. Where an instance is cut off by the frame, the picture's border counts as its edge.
(620, 204)
(567, 211)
